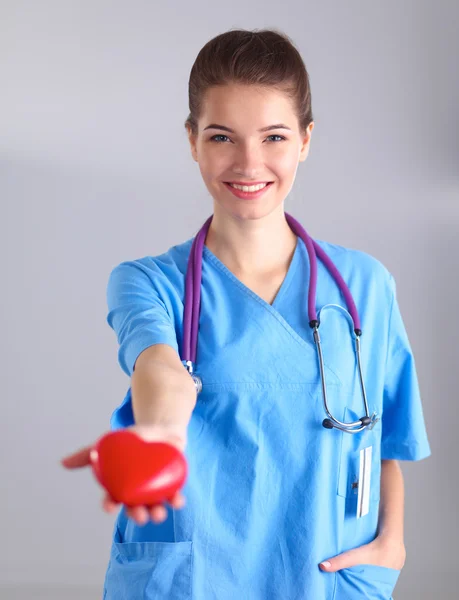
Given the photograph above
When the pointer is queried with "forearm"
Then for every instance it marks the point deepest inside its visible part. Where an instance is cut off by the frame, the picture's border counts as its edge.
(391, 508)
(163, 393)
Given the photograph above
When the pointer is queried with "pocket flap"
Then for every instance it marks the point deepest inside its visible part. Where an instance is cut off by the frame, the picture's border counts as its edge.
(149, 570)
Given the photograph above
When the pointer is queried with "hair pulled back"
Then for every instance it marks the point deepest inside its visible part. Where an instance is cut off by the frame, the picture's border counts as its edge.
(263, 58)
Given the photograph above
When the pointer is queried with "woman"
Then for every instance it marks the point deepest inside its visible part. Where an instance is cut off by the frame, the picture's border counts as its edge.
(277, 505)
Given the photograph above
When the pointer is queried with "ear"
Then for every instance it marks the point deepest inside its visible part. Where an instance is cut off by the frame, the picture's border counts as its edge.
(192, 140)
(304, 151)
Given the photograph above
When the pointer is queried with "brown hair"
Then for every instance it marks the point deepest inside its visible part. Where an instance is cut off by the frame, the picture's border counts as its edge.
(265, 58)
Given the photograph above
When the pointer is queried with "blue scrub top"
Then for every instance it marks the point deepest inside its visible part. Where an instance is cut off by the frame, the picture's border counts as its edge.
(269, 492)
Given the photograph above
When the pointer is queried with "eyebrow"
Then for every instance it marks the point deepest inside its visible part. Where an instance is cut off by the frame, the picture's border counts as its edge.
(263, 129)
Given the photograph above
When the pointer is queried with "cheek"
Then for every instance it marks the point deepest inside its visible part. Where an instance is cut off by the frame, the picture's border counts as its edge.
(285, 165)
(212, 166)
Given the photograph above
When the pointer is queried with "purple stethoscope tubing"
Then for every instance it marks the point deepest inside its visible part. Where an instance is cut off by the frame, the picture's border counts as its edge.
(193, 304)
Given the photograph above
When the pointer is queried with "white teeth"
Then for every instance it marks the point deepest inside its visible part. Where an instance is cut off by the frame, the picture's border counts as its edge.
(247, 188)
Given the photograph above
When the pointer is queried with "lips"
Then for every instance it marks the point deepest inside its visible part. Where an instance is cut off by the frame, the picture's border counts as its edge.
(248, 195)
(247, 183)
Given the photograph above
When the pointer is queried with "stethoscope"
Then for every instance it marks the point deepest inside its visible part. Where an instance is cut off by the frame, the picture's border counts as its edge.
(193, 304)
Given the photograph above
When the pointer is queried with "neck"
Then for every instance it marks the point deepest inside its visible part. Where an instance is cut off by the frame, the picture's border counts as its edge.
(252, 246)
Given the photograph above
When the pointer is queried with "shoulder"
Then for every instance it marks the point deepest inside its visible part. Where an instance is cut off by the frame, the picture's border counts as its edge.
(173, 261)
(163, 273)
(370, 282)
(353, 263)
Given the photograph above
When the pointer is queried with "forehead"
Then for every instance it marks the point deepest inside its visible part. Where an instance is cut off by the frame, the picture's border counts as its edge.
(247, 104)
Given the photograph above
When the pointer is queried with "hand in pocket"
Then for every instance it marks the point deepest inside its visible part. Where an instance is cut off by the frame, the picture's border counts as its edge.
(382, 552)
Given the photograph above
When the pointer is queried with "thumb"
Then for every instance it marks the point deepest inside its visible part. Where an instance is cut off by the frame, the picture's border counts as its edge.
(77, 459)
(356, 556)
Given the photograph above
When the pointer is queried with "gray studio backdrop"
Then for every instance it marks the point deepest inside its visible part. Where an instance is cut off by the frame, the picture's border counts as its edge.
(95, 169)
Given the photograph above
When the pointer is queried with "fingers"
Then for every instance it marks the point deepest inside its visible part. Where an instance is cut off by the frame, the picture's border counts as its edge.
(158, 513)
(142, 514)
(77, 459)
(108, 504)
(139, 514)
(178, 500)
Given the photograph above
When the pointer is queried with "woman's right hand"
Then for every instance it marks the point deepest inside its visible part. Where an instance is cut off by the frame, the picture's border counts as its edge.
(149, 433)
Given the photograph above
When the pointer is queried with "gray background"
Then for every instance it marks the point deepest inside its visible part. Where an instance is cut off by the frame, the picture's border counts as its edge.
(95, 169)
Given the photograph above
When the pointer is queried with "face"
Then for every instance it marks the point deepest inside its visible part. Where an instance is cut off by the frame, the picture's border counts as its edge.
(235, 149)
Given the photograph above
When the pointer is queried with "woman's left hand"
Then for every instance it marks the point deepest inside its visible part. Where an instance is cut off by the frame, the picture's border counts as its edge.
(382, 551)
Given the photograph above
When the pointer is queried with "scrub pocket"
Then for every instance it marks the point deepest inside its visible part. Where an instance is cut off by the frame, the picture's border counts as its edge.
(371, 582)
(149, 570)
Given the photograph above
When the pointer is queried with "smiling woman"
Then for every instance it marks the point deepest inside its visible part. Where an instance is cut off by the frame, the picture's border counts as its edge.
(274, 489)
(249, 152)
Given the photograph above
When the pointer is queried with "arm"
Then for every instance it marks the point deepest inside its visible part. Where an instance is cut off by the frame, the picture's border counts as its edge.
(391, 508)
(163, 393)
(392, 497)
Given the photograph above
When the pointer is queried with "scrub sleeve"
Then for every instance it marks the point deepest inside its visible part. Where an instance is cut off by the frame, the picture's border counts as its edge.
(137, 311)
(404, 435)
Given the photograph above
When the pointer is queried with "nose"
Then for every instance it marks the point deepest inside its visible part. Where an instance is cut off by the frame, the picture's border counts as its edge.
(248, 161)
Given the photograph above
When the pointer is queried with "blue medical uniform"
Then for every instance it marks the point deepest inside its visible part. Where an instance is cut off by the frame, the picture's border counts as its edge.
(270, 492)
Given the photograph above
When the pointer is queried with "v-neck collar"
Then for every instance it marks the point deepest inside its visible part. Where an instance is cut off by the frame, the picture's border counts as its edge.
(272, 309)
(285, 283)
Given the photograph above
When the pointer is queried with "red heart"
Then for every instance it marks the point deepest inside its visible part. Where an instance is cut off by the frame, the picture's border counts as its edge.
(135, 472)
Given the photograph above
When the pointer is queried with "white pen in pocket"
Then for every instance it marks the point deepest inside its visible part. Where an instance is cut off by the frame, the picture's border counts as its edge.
(363, 499)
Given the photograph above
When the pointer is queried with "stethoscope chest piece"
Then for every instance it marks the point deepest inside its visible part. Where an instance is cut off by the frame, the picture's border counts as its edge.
(374, 419)
(197, 380)
(197, 383)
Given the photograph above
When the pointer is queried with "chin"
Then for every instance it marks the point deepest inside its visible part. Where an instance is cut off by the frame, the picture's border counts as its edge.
(246, 211)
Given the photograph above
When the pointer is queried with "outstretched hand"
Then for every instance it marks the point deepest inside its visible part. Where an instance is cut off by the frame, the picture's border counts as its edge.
(140, 514)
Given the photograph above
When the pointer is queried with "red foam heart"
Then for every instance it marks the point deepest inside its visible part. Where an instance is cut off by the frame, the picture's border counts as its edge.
(135, 472)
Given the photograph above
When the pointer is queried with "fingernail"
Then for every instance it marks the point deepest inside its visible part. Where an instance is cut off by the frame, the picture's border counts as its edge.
(326, 563)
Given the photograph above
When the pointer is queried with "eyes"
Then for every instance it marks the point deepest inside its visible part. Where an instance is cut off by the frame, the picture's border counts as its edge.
(220, 135)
